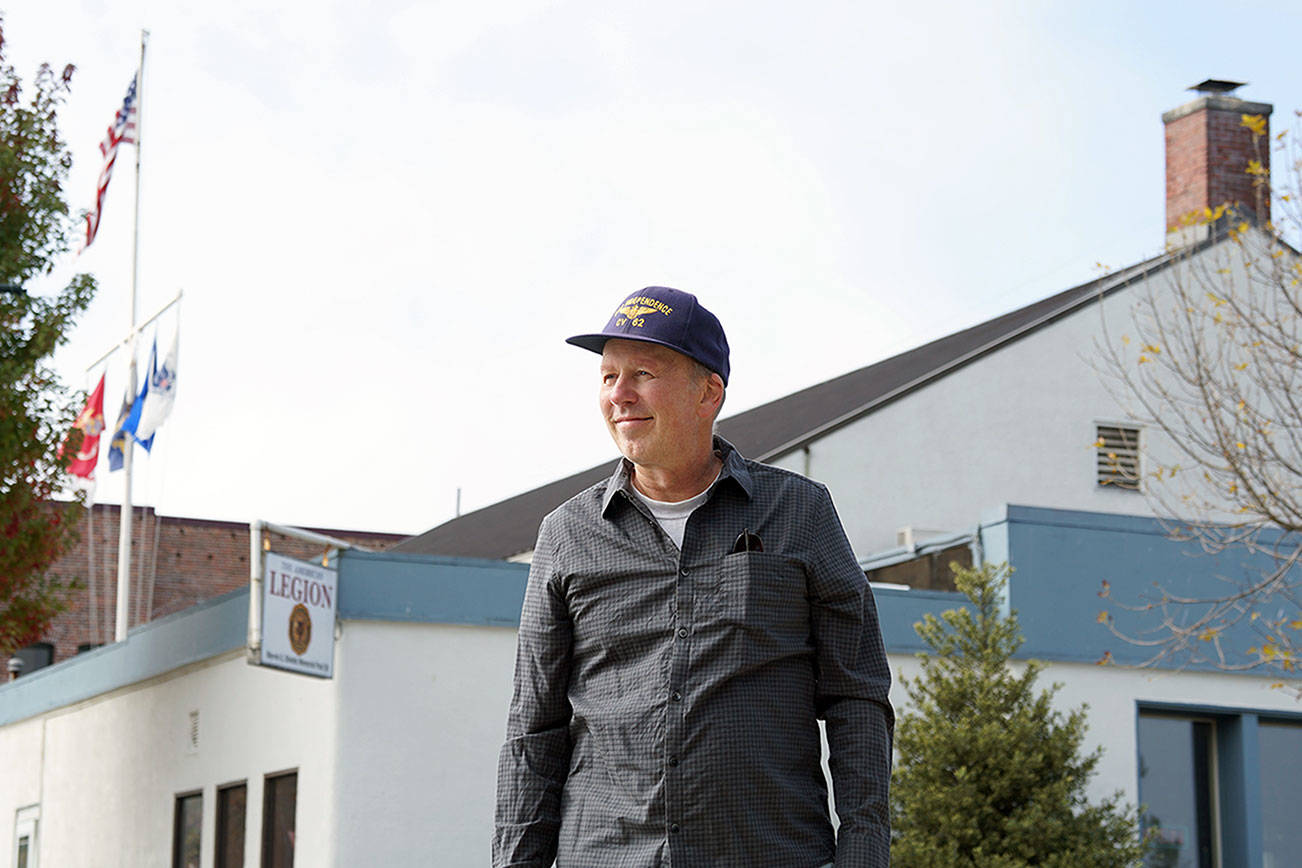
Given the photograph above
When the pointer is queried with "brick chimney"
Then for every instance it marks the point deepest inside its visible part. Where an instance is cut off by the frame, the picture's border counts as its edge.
(1207, 154)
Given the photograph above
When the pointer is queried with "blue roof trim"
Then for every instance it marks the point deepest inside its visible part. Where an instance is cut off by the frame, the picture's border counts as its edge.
(1063, 557)
(1060, 558)
(383, 586)
(199, 633)
(899, 611)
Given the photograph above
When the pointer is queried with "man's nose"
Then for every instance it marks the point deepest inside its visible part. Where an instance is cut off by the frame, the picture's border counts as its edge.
(622, 391)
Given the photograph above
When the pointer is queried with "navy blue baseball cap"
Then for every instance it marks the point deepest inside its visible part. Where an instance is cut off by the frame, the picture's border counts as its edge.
(671, 318)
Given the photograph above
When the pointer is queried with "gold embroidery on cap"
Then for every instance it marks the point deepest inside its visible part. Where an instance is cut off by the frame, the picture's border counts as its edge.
(635, 309)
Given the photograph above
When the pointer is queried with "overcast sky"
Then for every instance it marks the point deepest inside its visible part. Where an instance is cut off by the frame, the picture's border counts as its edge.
(386, 217)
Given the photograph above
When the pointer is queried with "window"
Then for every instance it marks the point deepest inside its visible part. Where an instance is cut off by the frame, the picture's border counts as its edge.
(25, 850)
(35, 656)
(186, 829)
(1177, 788)
(279, 797)
(1280, 746)
(1118, 456)
(929, 571)
(231, 802)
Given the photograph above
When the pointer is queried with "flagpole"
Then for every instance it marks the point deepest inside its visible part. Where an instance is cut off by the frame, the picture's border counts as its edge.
(128, 448)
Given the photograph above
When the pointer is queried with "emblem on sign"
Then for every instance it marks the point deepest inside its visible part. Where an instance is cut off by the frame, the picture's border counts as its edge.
(300, 629)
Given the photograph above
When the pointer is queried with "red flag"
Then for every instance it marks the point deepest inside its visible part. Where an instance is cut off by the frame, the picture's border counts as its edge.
(91, 424)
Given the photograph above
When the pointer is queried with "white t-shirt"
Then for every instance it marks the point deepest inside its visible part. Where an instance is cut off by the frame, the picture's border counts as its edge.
(672, 517)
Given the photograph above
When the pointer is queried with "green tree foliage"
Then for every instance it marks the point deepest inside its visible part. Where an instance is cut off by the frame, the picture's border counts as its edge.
(36, 412)
(989, 774)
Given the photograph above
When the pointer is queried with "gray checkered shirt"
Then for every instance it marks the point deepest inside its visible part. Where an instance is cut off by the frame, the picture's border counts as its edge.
(666, 703)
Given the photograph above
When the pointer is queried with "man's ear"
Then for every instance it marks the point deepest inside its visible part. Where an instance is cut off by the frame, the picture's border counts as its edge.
(712, 396)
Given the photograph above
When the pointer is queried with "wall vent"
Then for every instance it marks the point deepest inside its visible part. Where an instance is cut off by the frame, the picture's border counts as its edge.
(1118, 456)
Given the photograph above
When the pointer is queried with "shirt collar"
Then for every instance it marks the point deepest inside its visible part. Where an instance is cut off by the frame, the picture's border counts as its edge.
(734, 468)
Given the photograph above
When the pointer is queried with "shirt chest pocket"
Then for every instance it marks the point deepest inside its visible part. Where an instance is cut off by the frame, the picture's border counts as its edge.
(760, 591)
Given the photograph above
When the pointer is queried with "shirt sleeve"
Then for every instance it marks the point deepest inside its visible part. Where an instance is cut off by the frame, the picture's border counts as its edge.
(535, 759)
(854, 681)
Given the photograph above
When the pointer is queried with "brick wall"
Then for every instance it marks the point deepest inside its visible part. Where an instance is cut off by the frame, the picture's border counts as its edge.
(176, 562)
(1207, 155)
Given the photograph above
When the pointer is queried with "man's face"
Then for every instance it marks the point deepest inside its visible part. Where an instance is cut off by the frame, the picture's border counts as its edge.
(655, 402)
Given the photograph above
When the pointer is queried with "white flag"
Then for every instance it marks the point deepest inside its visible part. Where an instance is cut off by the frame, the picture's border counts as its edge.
(160, 395)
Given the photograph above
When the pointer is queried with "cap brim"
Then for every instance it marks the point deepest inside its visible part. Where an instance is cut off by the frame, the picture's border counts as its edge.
(595, 343)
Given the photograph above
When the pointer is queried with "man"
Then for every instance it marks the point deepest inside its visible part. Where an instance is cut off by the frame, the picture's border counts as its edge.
(685, 625)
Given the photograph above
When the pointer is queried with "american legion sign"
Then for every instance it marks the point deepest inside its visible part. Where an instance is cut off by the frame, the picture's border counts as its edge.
(298, 616)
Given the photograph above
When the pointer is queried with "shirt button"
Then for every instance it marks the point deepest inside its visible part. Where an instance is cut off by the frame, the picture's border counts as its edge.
(673, 828)
(676, 696)
(682, 572)
(682, 632)
(673, 761)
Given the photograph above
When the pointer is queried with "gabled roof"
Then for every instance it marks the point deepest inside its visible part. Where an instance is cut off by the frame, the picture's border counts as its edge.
(771, 430)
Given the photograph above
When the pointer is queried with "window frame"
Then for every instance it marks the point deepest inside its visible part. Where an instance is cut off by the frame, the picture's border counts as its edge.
(1235, 772)
(219, 833)
(268, 817)
(27, 825)
(178, 834)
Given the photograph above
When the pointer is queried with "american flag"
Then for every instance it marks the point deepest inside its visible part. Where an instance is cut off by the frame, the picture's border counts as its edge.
(121, 131)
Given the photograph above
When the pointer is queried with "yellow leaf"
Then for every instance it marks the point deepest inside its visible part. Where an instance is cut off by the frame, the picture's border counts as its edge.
(1208, 635)
(1143, 359)
(1255, 168)
(1241, 366)
(1254, 616)
(1256, 123)
(1243, 227)
(1240, 445)
(1152, 348)
(1296, 625)
(1103, 617)
(1104, 660)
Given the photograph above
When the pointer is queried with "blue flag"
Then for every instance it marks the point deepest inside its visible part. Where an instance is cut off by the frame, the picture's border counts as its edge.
(132, 423)
(118, 444)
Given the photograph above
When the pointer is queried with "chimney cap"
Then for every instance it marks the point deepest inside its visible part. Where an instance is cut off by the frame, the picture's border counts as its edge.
(1217, 85)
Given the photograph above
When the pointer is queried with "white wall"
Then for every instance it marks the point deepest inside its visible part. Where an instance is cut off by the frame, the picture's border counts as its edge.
(1113, 695)
(422, 716)
(396, 757)
(113, 765)
(20, 777)
(1017, 426)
